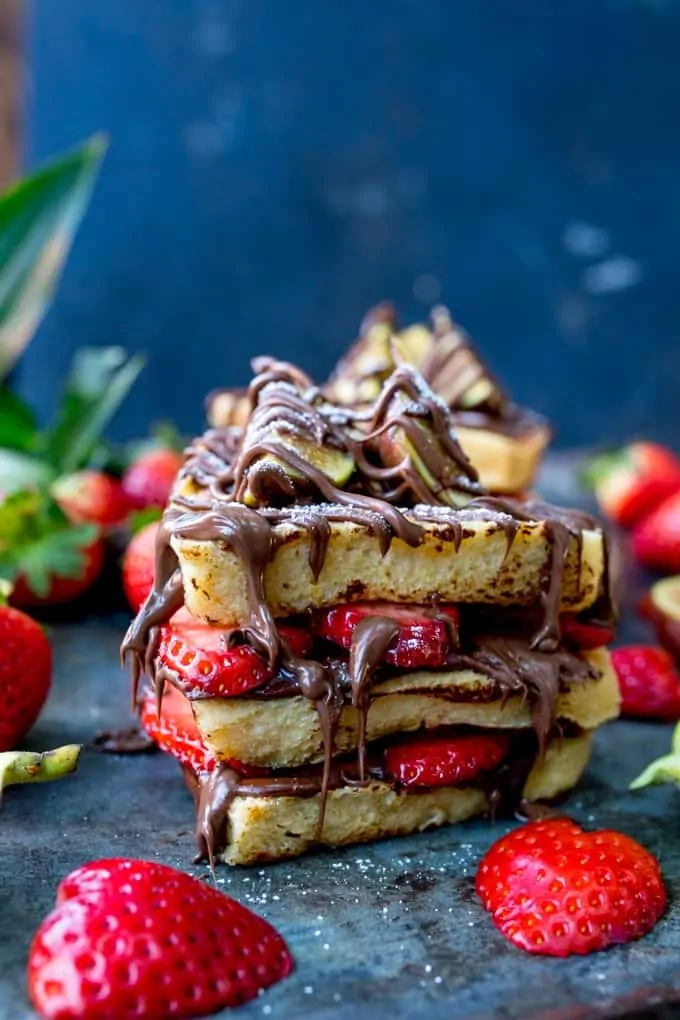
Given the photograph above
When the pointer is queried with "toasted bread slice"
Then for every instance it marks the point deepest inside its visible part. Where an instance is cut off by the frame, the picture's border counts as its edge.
(263, 829)
(285, 732)
(506, 463)
(482, 568)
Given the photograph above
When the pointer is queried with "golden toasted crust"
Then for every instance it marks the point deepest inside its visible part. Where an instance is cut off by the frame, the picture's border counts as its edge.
(263, 829)
(506, 464)
(482, 569)
(285, 732)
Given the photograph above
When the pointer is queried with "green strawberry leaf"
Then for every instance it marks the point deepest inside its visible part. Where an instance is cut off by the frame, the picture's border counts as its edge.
(139, 519)
(38, 220)
(99, 381)
(18, 429)
(38, 541)
(596, 469)
(20, 470)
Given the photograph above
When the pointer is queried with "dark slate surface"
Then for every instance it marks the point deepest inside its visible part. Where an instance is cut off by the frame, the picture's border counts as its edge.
(388, 930)
(276, 167)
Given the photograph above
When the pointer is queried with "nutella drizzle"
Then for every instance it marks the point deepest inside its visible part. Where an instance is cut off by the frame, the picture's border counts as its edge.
(241, 483)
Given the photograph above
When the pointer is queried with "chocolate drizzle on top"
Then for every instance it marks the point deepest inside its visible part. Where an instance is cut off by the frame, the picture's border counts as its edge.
(304, 461)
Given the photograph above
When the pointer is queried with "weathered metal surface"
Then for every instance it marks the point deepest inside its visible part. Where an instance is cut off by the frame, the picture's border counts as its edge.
(387, 930)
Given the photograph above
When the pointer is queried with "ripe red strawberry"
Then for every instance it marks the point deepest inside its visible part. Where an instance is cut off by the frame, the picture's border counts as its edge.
(176, 733)
(149, 480)
(62, 589)
(648, 681)
(656, 539)
(45, 556)
(554, 889)
(198, 654)
(139, 565)
(422, 641)
(298, 638)
(25, 674)
(445, 760)
(92, 497)
(633, 482)
(583, 634)
(132, 938)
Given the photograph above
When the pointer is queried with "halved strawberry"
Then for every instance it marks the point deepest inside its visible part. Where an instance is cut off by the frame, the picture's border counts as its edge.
(422, 640)
(431, 760)
(176, 733)
(298, 638)
(584, 634)
(198, 654)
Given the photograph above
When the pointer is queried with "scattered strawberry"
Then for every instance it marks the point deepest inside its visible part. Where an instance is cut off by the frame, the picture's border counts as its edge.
(92, 497)
(584, 634)
(46, 557)
(149, 480)
(656, 539)
(139, 564)
(445, 761)
(62, 589)
(554, 889)
(649, 682)
(422, 641)
(633, 482)
(25, 674)
(132, 938)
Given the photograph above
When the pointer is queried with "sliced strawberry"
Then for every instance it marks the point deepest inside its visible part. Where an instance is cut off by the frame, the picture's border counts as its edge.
(445, 760)
(176, 733)
(633, 482)
(661, 606)
(584, 634)
(422, 641)
(298, 639)
(198, 654)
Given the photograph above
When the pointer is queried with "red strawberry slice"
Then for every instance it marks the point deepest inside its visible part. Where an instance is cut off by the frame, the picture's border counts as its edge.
(198, 654)
(648, 681)
(445, 760)
(633, 482)
(298, 638)
(176, 733)
(584, 634)
(422, 640)
(554, 889)
(135, 938)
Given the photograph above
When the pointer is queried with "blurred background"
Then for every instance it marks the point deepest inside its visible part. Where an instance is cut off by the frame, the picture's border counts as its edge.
(276, 168)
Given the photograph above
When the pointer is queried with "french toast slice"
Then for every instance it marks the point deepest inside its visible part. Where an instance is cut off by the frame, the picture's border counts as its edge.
(460, 560)
(269, 828)
(285, 732)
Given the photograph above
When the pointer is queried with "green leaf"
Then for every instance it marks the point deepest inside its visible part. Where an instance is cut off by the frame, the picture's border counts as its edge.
(18, 430)
(99, 381)
(596, 469)
(139, 519)
(38, 220)
(38, 541)
(20, 470)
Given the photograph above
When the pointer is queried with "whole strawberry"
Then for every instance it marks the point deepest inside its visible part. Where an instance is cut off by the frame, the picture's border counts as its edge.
(149, 480)
(133, 938)
(139, 564)
(656, 539)
(92, 497)
(634, 481)
(25, 674)
(648, 681)
(554, 889)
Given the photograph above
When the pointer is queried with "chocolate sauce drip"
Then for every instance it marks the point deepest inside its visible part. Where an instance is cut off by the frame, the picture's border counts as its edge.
(371, 638)
(215, 792)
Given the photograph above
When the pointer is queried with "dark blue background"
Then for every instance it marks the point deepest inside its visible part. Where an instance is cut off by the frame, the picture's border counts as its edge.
(278, 165)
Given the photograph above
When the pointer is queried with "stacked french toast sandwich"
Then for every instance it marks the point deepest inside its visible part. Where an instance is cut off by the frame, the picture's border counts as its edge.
(349, 636)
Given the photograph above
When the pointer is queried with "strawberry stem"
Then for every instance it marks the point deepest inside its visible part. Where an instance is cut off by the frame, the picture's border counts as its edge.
(37, 767)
